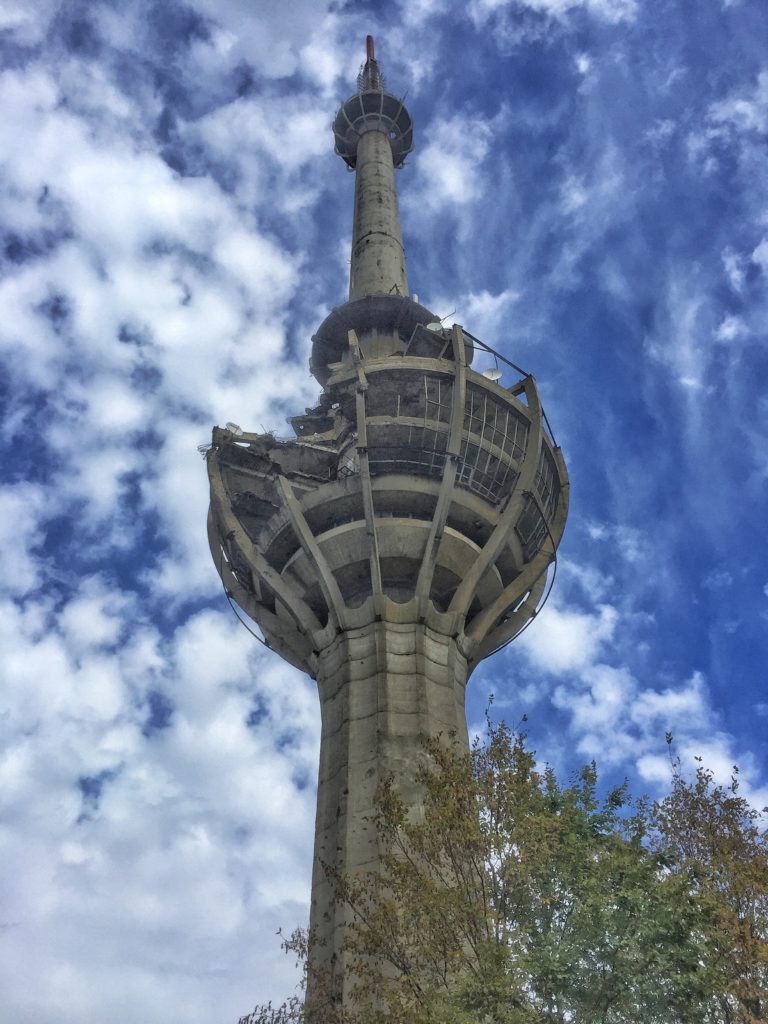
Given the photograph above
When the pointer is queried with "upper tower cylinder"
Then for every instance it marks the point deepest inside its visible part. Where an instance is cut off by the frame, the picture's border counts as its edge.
(374, 134)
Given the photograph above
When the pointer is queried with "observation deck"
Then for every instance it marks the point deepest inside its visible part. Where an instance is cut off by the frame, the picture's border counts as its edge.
(372, 108)
(417, 488)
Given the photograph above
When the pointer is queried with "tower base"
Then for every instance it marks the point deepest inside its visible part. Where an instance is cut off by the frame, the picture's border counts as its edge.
(383, 687)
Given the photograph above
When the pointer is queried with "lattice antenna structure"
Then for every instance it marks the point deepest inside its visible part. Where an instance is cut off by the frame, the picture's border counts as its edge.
(372, 108)
(402, 534)
(370, 78)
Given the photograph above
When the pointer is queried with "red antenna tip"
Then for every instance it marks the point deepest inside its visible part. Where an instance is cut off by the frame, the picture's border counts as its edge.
(369, 48)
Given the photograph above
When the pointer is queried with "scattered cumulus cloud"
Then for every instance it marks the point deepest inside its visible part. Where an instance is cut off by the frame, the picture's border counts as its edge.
(632, 544)
(718, 579)
(744, 111)
(734, 266)
(272, 40)
(23, 509)
(574, 195)
(661, 131)
(483, 314)
(731, 328)
(738, 120)
(760, 254)
(447, 165)
(566, 639)
(612, 11)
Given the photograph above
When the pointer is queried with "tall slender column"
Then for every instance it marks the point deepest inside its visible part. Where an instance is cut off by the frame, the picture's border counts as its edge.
(382, 689)
(378, 259)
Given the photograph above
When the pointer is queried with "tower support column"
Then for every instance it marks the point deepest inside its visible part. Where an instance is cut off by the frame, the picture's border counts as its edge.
(378, 258)
(382, 689)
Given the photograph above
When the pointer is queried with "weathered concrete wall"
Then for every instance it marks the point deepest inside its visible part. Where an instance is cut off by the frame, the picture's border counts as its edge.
(378, 260)
(382, 688)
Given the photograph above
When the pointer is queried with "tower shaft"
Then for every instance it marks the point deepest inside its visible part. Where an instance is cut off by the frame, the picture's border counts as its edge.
(378, 258)
(383, 687)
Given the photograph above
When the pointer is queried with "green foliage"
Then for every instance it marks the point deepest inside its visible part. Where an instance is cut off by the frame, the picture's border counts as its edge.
(512, 899)
(292, 1011)
(716, 836)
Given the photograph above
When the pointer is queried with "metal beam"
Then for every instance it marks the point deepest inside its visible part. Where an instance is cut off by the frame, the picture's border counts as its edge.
(295, 605)
(445, 496)
(366, 489)
(509, 517)
(325, 577)
(509, 629)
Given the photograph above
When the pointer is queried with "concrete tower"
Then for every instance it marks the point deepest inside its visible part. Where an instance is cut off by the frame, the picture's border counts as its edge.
(404, 533)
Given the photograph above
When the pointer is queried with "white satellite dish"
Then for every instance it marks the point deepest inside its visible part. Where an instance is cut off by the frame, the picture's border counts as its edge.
(435, 326)
(234, 428)
(493, 373)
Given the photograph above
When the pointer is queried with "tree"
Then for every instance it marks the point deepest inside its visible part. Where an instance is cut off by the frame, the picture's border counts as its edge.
(721, 840)
(515, 900)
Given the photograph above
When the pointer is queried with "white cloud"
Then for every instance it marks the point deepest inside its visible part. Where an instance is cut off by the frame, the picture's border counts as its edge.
(596, 657)
(614, 10)
(686, 704)
(661, 130)
(610, 10)
(96, 616)
(680, 343)
(738, 120)
(718, 580)
(255, 133)
(597, 709)
(419, 11)
(270, 37)
(203, 304)
(29, 21)
(731, 328)
(98, 476)
(633, 545)
(114, 408)
(106, 878)
(615, 720)
(718, 755)
(573, 195)
(760, 254)
(23, 509)
(592, 201)
(744, 112)
(447, 166)
(169, 292)
(612, 719)
(733, 263)
(482, 313)
(566, 640)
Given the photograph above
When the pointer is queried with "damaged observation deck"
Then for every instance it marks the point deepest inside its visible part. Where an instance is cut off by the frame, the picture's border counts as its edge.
(417, 488)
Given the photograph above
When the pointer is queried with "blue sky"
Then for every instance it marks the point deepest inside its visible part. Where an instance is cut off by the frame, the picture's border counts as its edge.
(588, 195)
